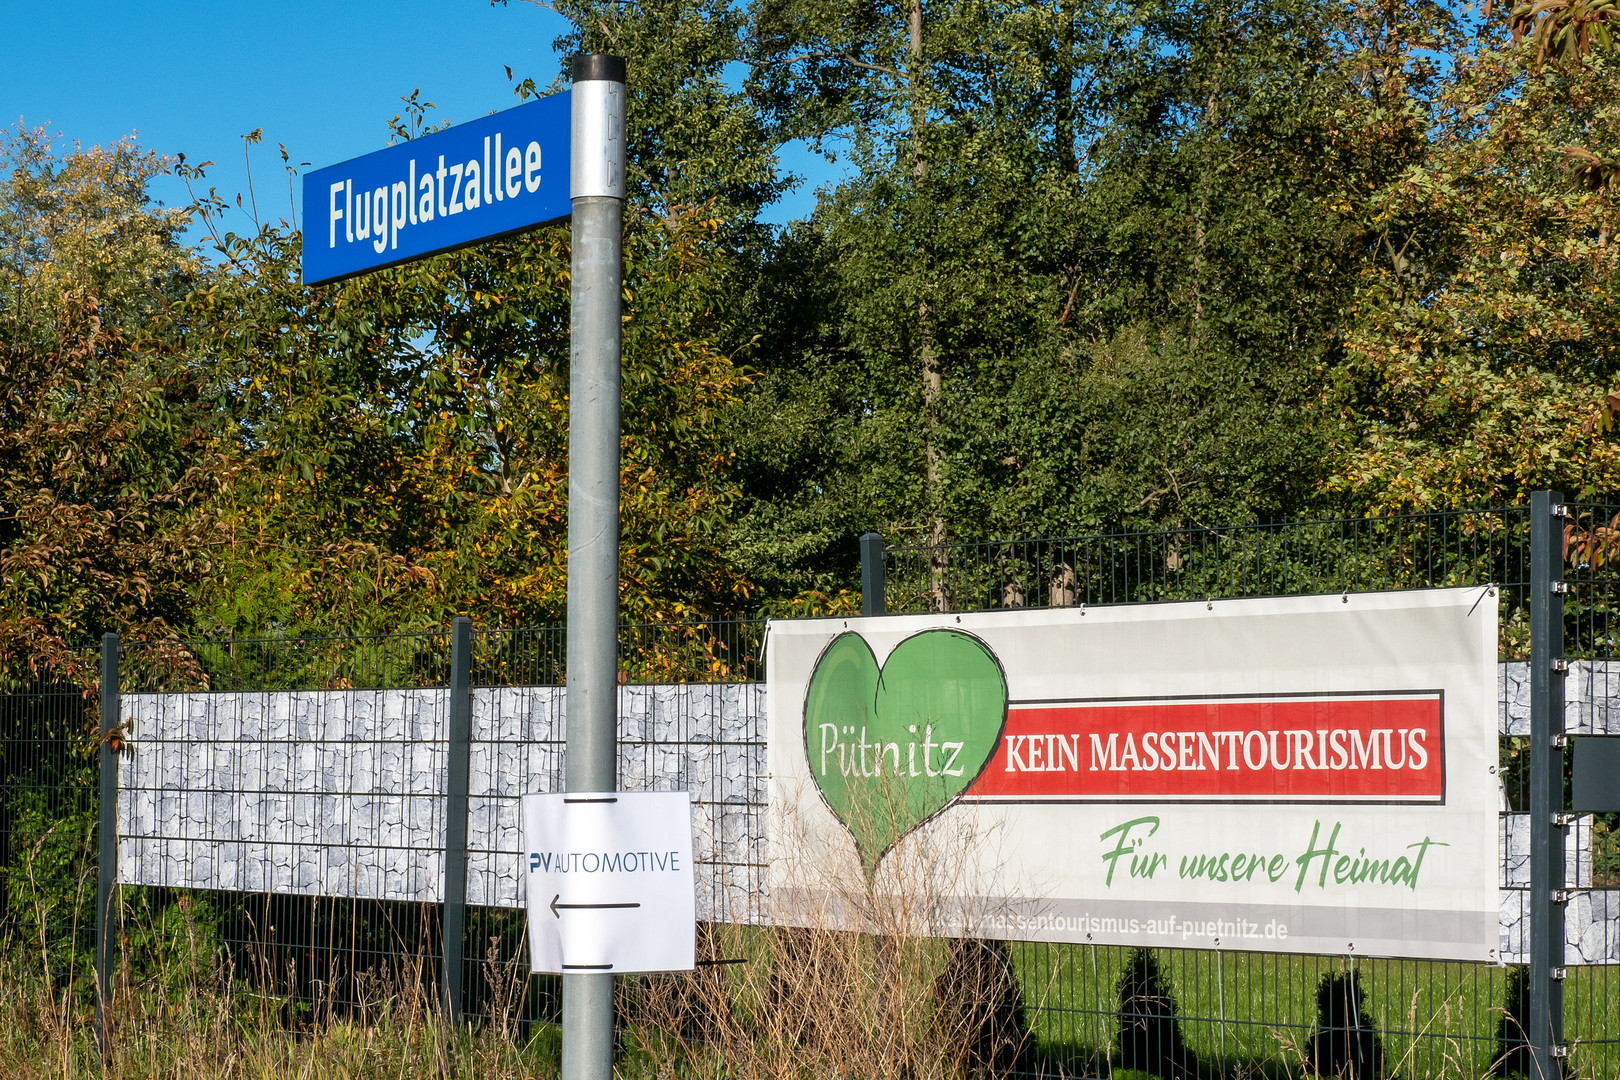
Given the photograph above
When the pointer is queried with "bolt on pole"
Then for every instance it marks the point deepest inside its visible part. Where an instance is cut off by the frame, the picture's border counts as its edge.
(596, 189)
(1544, 1027)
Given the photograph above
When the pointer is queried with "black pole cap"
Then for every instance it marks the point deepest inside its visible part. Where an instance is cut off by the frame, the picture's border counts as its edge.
(598, 67)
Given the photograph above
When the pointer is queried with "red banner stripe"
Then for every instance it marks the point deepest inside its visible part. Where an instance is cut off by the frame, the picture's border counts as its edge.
(1299, 748)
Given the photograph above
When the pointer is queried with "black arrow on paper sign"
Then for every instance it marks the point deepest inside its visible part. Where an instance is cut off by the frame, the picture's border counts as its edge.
(555, 906)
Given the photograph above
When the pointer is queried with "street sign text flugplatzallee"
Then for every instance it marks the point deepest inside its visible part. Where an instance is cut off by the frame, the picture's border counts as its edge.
(489, 177)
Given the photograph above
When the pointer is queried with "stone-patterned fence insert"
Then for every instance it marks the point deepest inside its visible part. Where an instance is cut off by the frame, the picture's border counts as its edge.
(341, 793)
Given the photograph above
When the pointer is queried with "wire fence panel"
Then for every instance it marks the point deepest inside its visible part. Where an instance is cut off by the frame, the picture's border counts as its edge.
(1221, 1013)
(1431, 1018)
(287, 796)
(286, 799)
(48, 820)
(1414, 551)
(688, 721)
(1591, 1005)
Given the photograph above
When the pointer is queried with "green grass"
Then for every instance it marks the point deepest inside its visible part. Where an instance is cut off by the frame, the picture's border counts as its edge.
(1253, 1014)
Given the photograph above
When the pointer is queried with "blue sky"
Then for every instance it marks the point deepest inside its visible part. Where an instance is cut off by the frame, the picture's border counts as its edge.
(321, 78)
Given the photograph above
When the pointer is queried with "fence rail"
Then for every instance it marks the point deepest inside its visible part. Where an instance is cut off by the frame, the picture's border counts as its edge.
(1232, 1011)
(1411, 551)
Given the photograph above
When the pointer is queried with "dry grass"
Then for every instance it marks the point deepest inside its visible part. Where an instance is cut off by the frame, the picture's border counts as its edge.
(211, 1026)
(893, 999)
(856, 978)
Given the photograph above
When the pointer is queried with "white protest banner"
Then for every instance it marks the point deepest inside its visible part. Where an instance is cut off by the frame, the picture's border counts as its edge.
(609, 879)
(1303, 774)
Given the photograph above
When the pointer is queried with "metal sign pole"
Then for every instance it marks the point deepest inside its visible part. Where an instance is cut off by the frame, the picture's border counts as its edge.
(596, 188)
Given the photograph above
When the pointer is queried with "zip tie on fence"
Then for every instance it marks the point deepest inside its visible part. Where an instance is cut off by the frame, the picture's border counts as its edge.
(1489, 590)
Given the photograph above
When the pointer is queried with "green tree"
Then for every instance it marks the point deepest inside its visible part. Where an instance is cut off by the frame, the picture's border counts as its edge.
(1108, 298)
(1482, 346)
(407, 429)
(107, 455)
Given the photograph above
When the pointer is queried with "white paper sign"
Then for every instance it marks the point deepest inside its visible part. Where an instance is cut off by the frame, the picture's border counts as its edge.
(1307, 774)
(610, 883)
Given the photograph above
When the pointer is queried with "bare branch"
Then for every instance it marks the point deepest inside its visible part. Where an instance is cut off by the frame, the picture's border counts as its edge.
(548, 7)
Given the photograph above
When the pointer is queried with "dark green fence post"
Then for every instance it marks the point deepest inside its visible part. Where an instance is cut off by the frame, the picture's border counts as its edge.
(458, 747)
(106, 842)
(1544, 1027)
(873, 601)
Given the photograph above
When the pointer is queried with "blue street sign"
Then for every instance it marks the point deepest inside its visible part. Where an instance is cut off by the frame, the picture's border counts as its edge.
(472, 182)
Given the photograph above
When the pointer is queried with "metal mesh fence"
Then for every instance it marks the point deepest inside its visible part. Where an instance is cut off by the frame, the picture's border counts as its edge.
(1431, 1018)
(359, 765)
(1236, 1010)
(1591, 544)
(708, 740)
(248, 756)
(48, 804)
(251, 761)
(1413, 551)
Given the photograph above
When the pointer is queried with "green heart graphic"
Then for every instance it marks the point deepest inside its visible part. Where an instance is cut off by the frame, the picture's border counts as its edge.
(890, 747)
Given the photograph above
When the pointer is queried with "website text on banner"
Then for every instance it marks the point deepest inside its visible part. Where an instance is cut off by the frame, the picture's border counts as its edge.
(1305, 774)
(490, 177)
